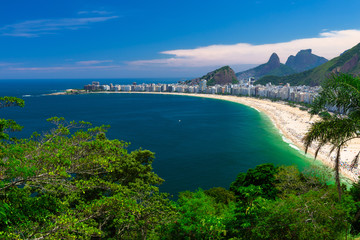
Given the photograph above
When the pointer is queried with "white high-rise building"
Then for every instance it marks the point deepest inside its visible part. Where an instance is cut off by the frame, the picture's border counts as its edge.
(202, 85)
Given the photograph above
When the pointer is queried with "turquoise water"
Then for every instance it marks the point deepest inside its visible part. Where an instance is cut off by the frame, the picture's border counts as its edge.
(198, 142)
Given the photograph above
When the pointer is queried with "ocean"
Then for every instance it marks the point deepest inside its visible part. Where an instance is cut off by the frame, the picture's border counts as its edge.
(198, 142)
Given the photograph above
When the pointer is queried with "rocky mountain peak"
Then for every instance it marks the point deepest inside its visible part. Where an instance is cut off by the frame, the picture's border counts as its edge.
(304, 60)
(274, 59)
(305, 51)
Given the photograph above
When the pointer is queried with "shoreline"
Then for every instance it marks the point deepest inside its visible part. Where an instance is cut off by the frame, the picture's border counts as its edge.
(291, 122)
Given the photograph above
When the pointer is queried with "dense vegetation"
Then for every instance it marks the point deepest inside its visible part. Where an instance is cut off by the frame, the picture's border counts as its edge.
(74, 183)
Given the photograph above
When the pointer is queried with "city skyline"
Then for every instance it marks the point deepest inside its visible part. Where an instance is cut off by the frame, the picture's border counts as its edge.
(112, 39)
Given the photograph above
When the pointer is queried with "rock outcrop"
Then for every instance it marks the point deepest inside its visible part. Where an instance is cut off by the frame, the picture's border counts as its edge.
(304, 60)
(272, 67)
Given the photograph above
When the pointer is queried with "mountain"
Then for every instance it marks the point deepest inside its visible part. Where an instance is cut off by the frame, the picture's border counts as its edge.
(347, 62)
(304, 60)
(272, 67)
(223, 75)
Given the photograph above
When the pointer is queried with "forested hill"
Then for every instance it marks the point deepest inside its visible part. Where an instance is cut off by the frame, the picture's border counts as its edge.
(223, 75)
(272, 67)
(348, 62)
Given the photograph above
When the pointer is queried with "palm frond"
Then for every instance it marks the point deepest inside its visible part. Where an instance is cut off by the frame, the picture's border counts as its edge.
(341, 91)
(341, 94)
(334, 131)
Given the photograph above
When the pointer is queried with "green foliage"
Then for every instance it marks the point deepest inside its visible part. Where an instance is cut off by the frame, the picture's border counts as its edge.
(79, 185)
(345, 57)
(9, 125)
(74, 183)
(211, 82)
(11, 102)
(294, 79)
(221, 195)
(355, 191)
(305, 208)
(313, 215)
(223, 75)
(291, 104)
(290, 181)
(282, 70)
(325, 115)
(251, 189)
(201, 217)
(263, 176)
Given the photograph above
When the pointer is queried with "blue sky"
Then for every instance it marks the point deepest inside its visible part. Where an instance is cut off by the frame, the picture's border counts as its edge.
(169, 38)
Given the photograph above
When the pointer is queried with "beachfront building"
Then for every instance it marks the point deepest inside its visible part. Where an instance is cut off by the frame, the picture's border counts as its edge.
(203, 85)
(126, 88)
(304, 94)
(117, 88)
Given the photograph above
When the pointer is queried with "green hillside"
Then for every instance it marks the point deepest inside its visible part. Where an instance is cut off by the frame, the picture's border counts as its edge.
(348, 62)
(223, 75)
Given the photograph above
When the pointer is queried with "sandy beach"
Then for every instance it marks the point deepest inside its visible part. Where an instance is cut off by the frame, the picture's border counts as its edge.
(293, 124)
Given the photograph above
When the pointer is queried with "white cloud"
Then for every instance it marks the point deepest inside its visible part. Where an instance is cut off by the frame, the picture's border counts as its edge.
(80, 65)
(6, 64)
(63, 68)
(35, 28)
(93, 62)
(328, 44)
(99, 12)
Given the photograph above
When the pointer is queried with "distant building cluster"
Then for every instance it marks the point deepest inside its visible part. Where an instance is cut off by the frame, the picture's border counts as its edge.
(304, 94)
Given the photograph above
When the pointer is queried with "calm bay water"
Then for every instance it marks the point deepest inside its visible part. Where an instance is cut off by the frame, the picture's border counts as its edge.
(198, 142)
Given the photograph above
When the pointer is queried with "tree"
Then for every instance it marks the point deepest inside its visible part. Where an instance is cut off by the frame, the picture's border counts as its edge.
(200, 217)
(313, 215)
(251, 189)
(305, 207)
(262, 175)
(78, 184)
(291, 181)
(221, 195)
(6, 124)
(341, 93)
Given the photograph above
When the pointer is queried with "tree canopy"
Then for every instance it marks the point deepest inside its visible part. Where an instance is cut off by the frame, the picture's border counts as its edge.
(75, 183)
(78, 184)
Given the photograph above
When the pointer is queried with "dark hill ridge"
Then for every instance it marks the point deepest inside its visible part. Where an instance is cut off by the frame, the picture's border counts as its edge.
(273, 63)
(223, 75)
(347, 62)
(272, 67)
(304, 60)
